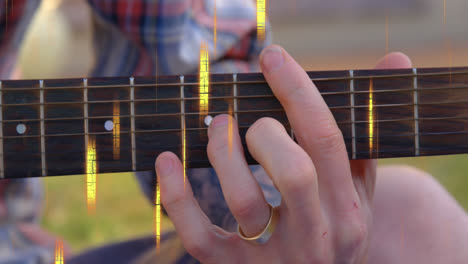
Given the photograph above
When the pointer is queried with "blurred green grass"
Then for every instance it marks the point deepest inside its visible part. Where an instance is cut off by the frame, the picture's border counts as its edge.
(122, 212)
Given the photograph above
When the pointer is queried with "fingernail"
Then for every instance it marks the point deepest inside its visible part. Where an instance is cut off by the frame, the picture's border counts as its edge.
(164, 166)
(220, 121)
(272, 58)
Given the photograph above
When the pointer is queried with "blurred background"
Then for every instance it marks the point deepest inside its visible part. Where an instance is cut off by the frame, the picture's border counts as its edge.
(321, 35)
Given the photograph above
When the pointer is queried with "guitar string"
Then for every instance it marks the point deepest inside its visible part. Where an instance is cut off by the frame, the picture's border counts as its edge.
(379, 149)
(177, 130)
(239, 112)
(451, 73)
(420, 90)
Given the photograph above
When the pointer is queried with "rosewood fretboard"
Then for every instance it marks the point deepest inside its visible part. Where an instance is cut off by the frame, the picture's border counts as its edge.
(46, 125)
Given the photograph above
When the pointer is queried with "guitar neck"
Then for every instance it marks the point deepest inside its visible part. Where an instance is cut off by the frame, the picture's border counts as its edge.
(64, 126)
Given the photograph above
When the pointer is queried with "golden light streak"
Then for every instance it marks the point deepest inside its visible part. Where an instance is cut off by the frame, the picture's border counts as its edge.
(448, 45)
(204, 79)
(230, 129)
(157, 216)
(184, 152)
(450, 57)
(261, 19)
(116, 131)
(445, 11)
(386, 35)
(59, 252)
(157, 200)
(214, 29)
(371, 117)
(401, 236)
(91, 171)
(293, 7)
(6, 15)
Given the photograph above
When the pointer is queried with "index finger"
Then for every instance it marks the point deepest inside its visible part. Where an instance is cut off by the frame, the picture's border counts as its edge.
(313, 123)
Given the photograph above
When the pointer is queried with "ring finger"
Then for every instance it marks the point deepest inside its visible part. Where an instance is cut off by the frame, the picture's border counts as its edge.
(243, 195)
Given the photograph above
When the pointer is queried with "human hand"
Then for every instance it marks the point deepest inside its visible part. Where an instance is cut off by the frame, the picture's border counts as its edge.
(325, 215)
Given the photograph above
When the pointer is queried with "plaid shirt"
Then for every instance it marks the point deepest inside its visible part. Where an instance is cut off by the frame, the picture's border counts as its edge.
(131, 37)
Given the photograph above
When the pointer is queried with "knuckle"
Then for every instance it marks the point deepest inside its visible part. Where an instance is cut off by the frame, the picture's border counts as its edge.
(296, 92)
(199, 247)
(330, 139)
(300, 175)
(176, 200)
(262, 125)
(244, 207)
(353, 236)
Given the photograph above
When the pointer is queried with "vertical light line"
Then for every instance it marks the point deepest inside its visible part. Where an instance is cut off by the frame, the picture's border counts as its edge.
(371, 118)
(416, 112)
(59, 252)
(85, 111)
(91, 161)
(204, 80)
(450, 58)
(234, 93)
(6, 15)
(132, 121)
(445, 11)
(353, 116)
(293, 7)
(261, 19)
(230, 129)
(182, 125)
(91, 170)
(2, 168)
(41, 100)
(401, 237)
(116, 130)
(386, 35)
(158, 217)
(448, 44)
(214, 29)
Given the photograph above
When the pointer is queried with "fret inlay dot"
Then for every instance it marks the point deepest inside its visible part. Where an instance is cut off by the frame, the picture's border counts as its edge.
(21, 129)
(208, 120)
(109, 125)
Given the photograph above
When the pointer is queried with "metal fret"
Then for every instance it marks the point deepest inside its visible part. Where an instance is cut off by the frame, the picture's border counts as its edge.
(234, 93)
(2, 168)
(416, 112)
(353, 116)
(132, 117)
(85, 111)
(43, 158)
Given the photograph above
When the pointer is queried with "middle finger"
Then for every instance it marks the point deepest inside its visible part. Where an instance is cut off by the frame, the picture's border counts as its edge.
(243, 194)
(314, 126)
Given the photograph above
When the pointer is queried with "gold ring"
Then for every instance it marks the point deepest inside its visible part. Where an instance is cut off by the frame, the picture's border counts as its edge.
(265, 235)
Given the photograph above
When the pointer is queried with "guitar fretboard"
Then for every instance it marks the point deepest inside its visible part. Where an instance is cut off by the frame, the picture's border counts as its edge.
(46, 125)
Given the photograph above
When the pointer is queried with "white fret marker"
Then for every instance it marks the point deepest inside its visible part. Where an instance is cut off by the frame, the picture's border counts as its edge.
(21, 129)
(109, 125)
(208, 120)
